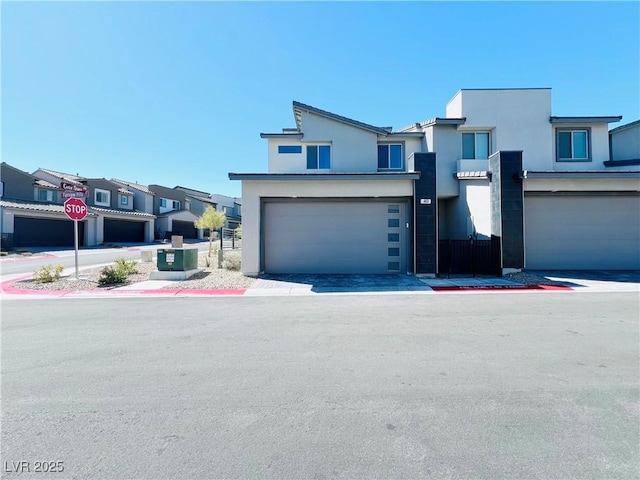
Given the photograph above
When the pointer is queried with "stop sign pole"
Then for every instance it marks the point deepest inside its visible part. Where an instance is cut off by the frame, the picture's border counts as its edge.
(76, 210)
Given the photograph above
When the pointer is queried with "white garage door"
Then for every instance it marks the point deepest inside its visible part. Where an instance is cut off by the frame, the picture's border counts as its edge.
(582, 232)
(335, 237)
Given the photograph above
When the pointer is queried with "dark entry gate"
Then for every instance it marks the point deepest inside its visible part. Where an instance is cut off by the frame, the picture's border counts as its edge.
(469, 257)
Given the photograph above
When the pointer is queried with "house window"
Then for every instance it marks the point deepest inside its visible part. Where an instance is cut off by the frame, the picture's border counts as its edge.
(572, 145)
(390, 156)
(124, 200)
(318, 157)
(289, 148)
(46, 195)
(475, 145)
(176, 205)
(102, 197)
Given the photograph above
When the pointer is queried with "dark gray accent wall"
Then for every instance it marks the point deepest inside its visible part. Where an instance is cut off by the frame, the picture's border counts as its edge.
(507, 206)
(18, 185)
(102, 184)
(425, 215)
(164, 192)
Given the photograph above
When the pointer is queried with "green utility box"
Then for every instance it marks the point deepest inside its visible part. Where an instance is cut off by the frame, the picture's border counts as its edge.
(177, 259)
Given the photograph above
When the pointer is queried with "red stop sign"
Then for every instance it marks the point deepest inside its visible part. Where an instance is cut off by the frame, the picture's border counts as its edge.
(75, 209)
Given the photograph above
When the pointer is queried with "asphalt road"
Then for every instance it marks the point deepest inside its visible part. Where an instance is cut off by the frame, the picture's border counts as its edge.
(519, 385)
(86, 257)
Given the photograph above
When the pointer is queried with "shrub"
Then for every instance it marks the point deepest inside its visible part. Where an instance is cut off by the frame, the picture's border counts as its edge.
(48, 274)
(112, 276)
(232, 261)
(117, 273)
(126, 266)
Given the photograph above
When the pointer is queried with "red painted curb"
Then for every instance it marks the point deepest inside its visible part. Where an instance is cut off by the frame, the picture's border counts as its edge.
(8, 287)
(499, 287)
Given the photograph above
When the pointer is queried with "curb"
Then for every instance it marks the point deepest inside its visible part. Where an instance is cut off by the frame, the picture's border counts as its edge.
(7, 287)
(499, 287)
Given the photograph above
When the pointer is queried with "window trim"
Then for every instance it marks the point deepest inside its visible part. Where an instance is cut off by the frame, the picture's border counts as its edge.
(318, 146)
(571, 130)
(106, 203)
(475, 144)
(50, 195)
(389, 167)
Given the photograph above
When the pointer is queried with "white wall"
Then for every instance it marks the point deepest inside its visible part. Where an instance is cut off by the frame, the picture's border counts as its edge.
(518, 120)
(253, 191)
(469, 213)
(446, 142)
(599, 147)
(625, 144)
(582, 185)
(353, 150)
(454, 106)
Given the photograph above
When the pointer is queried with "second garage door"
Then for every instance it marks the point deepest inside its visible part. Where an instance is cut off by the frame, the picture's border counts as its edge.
(45, 232)
(335, 237)
(123, 231)
(186, 229)
(582, 232)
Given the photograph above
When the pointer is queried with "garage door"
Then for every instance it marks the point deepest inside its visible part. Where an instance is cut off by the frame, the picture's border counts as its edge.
(123, 231)
(582, 232)
(45, 232)
(186, 229)
(334, 237)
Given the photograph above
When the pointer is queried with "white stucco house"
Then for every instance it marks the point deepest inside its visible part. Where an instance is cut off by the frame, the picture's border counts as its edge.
(342, 196)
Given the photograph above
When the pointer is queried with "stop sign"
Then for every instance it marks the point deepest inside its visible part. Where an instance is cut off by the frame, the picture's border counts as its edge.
(75, 209)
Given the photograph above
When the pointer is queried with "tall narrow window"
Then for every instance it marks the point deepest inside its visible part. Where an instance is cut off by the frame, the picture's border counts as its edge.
(475, 145)
(318, 157)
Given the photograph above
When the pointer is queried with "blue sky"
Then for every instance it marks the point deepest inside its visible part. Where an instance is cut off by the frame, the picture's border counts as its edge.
(177, 93)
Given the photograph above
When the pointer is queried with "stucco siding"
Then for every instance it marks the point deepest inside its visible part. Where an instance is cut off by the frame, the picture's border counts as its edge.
(253, 191)
(625, 144)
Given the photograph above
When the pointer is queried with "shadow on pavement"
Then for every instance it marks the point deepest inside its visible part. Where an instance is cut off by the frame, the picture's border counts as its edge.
(570, 277)
(349, 283)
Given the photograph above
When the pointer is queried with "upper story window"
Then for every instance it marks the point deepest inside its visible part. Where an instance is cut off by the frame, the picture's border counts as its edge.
(390, 156)
(102, 197)
(124, 200)
(174, 204)
(318, 157)
(572, 145)
(46, 195)
(289, 148)
(475, 145)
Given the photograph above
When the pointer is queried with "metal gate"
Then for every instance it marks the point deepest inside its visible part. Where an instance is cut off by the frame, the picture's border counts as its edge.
(469, 257)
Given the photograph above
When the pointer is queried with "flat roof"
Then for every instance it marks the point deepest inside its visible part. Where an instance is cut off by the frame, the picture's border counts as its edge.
(326, 176)
(553, 119)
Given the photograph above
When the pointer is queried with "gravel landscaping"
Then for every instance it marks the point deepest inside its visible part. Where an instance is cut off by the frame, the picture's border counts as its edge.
(530, 279)
(210, 277)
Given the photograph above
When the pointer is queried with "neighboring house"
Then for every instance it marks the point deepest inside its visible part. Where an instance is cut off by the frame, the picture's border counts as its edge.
(142, 196)
(117, 219)
(32, 214)
(624, 146)
(231, 207)
(177, 209)
(342, 196)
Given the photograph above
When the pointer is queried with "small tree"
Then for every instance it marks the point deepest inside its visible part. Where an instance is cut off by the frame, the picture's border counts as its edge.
(212, 220)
